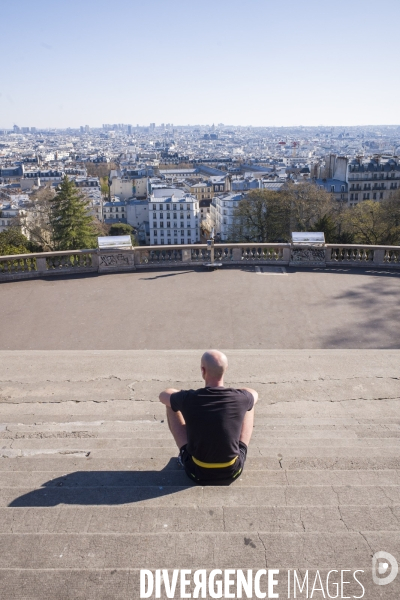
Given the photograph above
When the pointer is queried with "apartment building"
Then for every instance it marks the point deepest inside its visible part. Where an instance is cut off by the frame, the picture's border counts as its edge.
(174, 219)
(114, 212)
(11, 210)
(360, 179)
(373, 180)
(222, 213)
(127, 187)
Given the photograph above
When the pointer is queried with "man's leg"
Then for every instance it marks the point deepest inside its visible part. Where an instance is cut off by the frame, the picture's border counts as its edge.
(177, 426)
(247, 427)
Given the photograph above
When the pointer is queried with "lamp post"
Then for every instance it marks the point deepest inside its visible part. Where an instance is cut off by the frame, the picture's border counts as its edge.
(212, 265)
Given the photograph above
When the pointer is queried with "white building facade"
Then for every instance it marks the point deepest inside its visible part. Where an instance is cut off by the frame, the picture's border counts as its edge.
(174, 220)
(222, 213)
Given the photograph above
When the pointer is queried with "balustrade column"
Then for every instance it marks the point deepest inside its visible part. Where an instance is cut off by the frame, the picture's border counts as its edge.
(186, 255)
(379, 254)
(286, 254)
(328, 254)
(236, 254)
(95, 260)
(41, 264)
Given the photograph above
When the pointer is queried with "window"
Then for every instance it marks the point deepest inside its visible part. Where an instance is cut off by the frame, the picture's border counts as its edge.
(168, 223)
(188, 216)
(355, 196)
(161, 224)
(168, 215)
(332, 188)
(189, 241)
(351, 196)
(374, 196)
(381, 195)
(174, 207)
(175, 240)
(181, 207)
(182, 232)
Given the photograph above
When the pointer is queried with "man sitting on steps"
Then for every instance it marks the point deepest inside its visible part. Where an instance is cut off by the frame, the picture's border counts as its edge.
(211, 426)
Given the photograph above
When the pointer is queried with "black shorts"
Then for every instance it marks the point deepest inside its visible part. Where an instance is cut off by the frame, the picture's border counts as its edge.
(204, 476)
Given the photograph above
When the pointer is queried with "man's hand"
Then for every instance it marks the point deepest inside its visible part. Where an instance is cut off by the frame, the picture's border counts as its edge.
(165, 396)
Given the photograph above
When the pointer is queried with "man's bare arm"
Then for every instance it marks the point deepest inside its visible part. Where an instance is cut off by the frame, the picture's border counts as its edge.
(165, 396)
(253, 392)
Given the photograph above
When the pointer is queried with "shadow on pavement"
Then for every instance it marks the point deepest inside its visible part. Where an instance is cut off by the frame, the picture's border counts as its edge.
(166, 275)
(379, 312)
(107, 487)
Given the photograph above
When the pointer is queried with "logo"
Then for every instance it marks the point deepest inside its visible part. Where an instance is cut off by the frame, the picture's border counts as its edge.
(384, 564)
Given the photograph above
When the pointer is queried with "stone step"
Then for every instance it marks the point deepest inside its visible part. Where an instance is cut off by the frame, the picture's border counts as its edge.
(73, 460)
(346, 550)
(102, 494)
(111, 429)
(104, 389)
(79, 413)
(18, 478)
(121, 584)
(131, 410)
(189, 495)
(146, 519)
(258, 444)
(130, 453)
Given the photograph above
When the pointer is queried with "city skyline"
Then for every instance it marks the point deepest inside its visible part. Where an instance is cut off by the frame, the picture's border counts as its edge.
(259, 64)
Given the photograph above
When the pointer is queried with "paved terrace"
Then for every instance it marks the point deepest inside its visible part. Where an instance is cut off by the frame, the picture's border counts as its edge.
(188, 309)
(90, 491)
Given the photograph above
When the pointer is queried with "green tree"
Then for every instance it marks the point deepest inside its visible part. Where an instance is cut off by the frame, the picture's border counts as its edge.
(391, 215)
(123, 229)
(308, 204)
(328, 226)
(12, 241)
(120, 229)
(368, 224)
(105, 188)
(73, 227)
(262, 216)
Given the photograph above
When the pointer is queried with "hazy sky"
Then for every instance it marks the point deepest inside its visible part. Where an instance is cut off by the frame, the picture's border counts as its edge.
(253, 62)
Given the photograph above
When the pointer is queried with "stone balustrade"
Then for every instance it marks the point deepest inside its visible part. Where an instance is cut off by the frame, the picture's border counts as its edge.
(25, 266)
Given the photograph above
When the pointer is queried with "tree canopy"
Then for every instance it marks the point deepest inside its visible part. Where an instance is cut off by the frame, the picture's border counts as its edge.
(72, 225)
(12, 241)
(265, 216)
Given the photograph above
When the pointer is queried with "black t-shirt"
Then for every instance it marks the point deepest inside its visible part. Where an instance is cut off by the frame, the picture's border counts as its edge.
(214, 418)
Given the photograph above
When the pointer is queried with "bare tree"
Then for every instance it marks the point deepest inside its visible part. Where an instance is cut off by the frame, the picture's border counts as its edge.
(36, 222)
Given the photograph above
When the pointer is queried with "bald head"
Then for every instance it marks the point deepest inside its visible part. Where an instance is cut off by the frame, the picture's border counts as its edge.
(215, 364)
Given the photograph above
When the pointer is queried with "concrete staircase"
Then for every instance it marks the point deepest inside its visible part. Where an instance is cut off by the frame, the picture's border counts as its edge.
(91, 492)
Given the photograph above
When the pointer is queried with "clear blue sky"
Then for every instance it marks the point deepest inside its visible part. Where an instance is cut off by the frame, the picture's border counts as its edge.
(253, 62)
